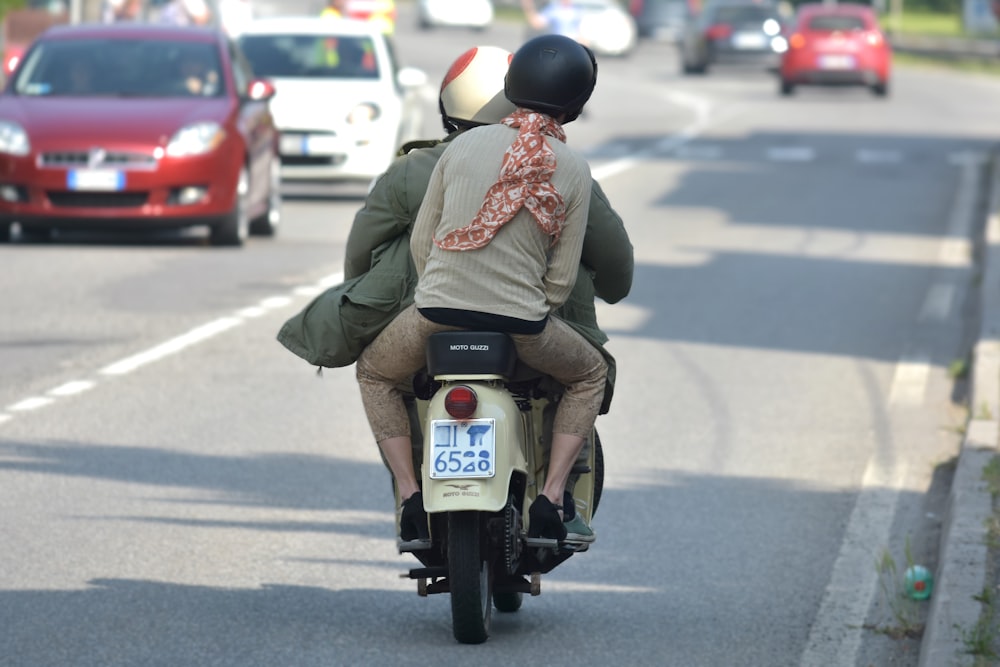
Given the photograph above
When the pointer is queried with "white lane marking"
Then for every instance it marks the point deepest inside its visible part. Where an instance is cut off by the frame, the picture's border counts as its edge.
(909, 383)
(702, 109)
(72, 388)
(837, 632)
(937, 303)
(172, 346)
(791, 154)
(32, 403)
(877, 156)
(197, 335)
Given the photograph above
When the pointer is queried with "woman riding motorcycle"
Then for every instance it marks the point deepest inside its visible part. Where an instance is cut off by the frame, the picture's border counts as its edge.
(542, 198)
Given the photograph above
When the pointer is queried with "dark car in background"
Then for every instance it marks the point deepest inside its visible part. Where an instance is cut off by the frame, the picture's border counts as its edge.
(661, 20)
(733, 32)
(137, 127)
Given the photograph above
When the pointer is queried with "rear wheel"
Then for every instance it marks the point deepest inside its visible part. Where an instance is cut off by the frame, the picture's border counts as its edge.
(598, 472)
(787, 87)
(470, 578)
(4, 232)
(881, 89)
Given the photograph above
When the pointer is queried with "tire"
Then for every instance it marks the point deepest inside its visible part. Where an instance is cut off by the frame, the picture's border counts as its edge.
(267, 223)
(508, 601)
(786, 88)
(470, 579)
(598, 472)
(5, 232)
(234, 227)
(36, 234)
(881, 89)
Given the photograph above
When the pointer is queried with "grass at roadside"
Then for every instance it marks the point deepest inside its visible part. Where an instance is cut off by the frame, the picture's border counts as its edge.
(983, 639)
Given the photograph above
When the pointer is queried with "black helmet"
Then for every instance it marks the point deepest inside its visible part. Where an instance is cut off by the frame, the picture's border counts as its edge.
(553, 74)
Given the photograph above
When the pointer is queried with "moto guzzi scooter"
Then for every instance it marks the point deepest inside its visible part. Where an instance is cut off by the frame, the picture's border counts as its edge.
(486, 436)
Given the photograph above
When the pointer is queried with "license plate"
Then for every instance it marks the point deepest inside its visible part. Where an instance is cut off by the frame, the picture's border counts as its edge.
(836, 62)
(95, 179)
(749, 40)
(319, 144)
(463, 449)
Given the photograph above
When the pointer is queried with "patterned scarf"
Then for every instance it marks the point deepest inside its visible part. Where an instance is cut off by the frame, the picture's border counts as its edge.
(524, 181)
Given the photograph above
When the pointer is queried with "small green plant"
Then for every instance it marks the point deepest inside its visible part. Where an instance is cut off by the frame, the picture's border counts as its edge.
(991, 475)
(905, 611)
(958, 369)
(984, 411)
(980, 640)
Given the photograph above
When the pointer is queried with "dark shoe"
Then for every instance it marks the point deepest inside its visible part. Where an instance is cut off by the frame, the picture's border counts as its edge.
(544, 520)
(413, 520)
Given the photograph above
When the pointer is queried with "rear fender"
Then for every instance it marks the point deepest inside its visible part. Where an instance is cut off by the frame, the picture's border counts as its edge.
(481, 494)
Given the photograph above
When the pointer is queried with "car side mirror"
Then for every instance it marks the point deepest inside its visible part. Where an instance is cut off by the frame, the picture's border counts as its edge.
(261, 90)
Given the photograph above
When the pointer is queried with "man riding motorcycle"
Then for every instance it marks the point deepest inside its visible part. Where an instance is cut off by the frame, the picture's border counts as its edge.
(472, 93)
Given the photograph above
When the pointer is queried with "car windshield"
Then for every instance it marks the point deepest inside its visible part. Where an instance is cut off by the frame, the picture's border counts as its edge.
(311, 56)
(836, 23)
(120, 68)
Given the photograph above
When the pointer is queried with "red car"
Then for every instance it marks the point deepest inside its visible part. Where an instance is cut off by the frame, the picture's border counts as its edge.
(836, 44)
(137, 126)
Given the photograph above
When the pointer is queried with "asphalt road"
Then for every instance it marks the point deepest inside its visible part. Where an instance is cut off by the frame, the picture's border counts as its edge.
(178, 489)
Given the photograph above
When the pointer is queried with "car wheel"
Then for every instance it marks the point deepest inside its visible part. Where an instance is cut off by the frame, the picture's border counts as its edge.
(787, 87)
(36, 234)
(233, 228)
(881, 89)
(267, 224)
(5, 232)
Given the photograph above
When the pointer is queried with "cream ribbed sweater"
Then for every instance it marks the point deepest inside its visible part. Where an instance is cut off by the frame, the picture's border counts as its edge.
(517, 274)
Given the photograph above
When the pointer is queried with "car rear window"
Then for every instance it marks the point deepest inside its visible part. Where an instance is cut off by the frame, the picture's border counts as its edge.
(749, 14)
(311, 56)
(836, 23)
(121, 68)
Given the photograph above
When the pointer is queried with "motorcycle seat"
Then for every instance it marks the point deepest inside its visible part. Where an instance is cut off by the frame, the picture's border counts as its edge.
(471, 353)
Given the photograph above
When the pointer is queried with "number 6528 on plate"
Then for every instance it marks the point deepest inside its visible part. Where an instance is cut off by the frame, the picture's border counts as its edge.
(463, 449)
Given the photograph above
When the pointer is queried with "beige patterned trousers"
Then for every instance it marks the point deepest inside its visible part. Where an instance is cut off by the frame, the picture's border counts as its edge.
(399, 352)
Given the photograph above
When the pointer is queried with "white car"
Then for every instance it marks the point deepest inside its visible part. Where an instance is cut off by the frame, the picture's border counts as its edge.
(476, 14)
(605, 26)
(343, 106)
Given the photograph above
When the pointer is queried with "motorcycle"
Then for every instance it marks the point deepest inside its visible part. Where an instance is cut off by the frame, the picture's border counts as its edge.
(485, 440)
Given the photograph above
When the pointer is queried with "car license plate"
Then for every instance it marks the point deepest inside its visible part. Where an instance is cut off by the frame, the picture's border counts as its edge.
(95, 179)
(836, 61)
(463, 448)
(749, 40)
(310, 144)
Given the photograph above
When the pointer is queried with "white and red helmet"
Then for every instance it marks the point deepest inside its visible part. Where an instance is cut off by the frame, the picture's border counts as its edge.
(472, 92)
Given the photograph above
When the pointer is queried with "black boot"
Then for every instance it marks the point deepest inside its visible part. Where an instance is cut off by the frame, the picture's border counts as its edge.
(544, 520)
(413, 521)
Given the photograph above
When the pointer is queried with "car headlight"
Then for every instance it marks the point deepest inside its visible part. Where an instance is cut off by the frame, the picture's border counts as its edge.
(363, 113)
(196, 139)
(13, 139)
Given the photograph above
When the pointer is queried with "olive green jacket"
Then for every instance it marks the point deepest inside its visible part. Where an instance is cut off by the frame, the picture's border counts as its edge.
(338, 324)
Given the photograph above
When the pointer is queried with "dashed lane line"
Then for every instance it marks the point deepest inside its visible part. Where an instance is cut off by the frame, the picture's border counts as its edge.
(159, 352)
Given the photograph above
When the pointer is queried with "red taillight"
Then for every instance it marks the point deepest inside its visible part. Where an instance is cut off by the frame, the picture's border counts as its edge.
(461, 402)
(797, 41)
(875, 38)
(719, 31)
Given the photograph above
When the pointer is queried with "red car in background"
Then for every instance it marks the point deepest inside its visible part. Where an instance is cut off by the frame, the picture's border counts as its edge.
(137, 126)
(836, 44)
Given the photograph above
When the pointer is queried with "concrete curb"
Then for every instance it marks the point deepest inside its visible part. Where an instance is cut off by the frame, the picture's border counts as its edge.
(962, 562)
